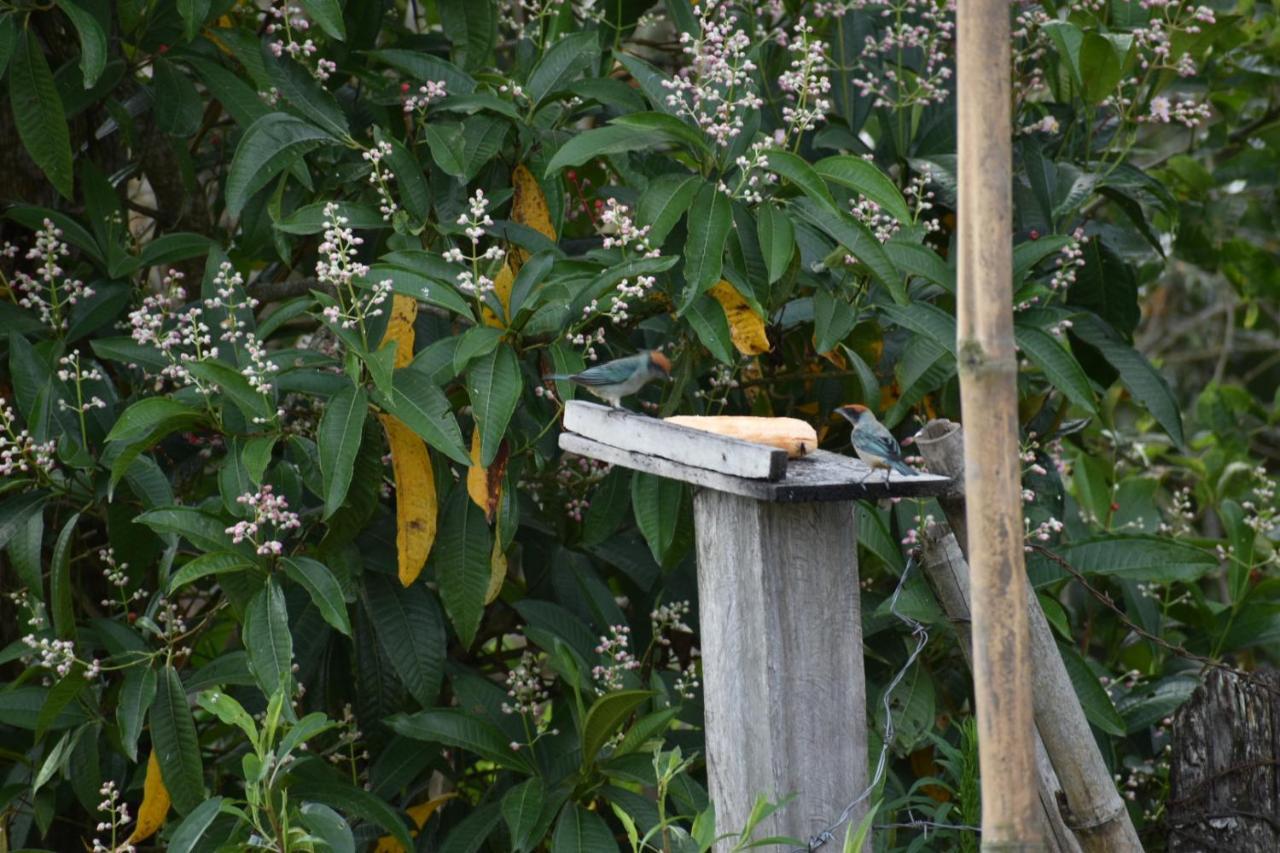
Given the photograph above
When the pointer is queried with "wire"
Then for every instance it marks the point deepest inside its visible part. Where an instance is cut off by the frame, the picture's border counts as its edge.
(921, 633)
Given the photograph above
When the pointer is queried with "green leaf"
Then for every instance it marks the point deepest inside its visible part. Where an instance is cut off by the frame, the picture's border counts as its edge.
(1140, 558)
(17, 511)
(410, 629)
(193, 14)
(425, 409)
(1097, 705)
(267, 639)
(173, 737)
(927, 320)
(1059, 365)
(471, 27)
(38, 114)
(859, 242)
(268, 147)
(64, 618)
(62, 694)
(315, 782)
(1136, 373)
(521, 808)
(325, 591)
(777, 238)
(581, 831)
(150, 413)
(1026, 255)
(915, 259)
(338, 441)
(668, 127)
(1067, 38)
(8, 35)
(137, 691)
(204, 531)
(602, 141)
(322, 821)
(472, 344)
(461, 557)
(426, 68)
(93, 40)
(865, 178)
(310, 218)
(216, 563)
(710, 221)
(833, 320)
(605, 719)
(656, 504)
(178, 107)
(1106, 286)
(187, 834)
(458, 728)
(664, 202)
(229, 711)
(561, 64)
(1101, 67)
(299, 88)
(328, 14)
(234, 385)
(797, 171)
(494, 385)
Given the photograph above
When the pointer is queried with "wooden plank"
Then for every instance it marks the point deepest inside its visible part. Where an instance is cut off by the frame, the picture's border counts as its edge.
(820, 476)
(783, 683)
(695, 448)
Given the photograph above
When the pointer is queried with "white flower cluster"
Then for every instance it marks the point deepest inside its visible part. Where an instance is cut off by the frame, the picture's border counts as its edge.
(338, 267)
(48, 293)
(286, 23)
(380, 176)
(268, 509)
(473, 280)
(526, 687)
(805, 82)
(717, 89)
(616, 649)
(20, 453)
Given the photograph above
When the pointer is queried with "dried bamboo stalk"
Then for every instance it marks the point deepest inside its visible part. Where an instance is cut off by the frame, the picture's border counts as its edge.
(989, 399)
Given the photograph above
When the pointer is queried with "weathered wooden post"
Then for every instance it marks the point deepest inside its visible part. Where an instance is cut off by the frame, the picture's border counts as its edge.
(778, 604)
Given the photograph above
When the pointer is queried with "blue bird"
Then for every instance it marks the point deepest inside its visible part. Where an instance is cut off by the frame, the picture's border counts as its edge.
(873, 443)
(616, 379)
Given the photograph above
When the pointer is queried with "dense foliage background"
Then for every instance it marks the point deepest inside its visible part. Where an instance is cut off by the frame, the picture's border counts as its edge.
(291, 558)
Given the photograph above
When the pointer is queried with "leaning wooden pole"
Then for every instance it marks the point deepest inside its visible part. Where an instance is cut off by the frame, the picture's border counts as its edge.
(989, 403)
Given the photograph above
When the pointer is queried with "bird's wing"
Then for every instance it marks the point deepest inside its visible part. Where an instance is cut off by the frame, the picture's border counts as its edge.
(879, 442)
(605, 374)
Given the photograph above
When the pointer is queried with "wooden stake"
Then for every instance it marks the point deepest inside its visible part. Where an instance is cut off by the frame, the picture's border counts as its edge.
(989, 402)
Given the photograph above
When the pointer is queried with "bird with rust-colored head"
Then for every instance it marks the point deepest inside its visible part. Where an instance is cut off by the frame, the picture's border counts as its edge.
(873, 443)
(621, 377)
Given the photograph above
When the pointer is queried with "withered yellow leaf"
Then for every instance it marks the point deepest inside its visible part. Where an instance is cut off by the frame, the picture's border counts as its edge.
(745, 326)
(484, 485)
(528, 207)
(420, 814)
(416, 505)
(497, 571)
(404, 310)
(502, 289)
(155, 803)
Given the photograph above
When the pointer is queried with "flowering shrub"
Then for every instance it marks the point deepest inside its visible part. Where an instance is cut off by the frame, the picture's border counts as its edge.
(291, 558)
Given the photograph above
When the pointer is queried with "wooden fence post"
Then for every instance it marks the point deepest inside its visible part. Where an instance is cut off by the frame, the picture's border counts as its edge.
(778, 605)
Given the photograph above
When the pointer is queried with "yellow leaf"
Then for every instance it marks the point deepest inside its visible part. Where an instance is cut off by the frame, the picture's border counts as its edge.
(528, 207)
(416, 506)
(420, 813)
(502, 288)
(404, 310)
(155, 803)
(484, 485)
(497, 571)
(745, 326)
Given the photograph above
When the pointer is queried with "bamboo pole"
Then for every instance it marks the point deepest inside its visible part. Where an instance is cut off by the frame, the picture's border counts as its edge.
(1090, 804)
(989, 400)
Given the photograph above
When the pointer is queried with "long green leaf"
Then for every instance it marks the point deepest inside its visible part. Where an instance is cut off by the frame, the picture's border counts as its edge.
(410, 628)
(425, 409)
(93, 40)
(137, 692)
(494, 385)
(38, 114)
(267, 639)
(605, 718)
(325, 591)
(60, 586)
(1097, 705)
(338, 441)
(268, 147)
(462, 563)
(865, 178)
(1140, 558)
(458, 728)
(173, 736)
(187, 834)
(561, 64)
(710, 221)
(581, 831)
(1058, 364)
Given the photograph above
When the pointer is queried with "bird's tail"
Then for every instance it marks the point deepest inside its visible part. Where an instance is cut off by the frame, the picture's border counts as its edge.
(558, 376)
(903, 468)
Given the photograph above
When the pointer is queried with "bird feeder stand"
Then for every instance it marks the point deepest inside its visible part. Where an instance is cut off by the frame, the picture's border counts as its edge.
(781, 630)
